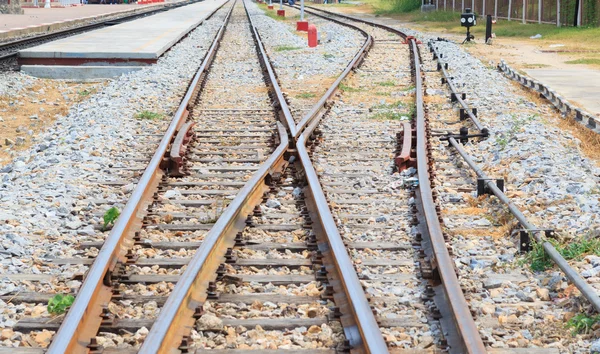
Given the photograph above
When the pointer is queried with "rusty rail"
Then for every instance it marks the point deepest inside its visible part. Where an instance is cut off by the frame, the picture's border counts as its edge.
(586, 290)
(406, 157)
(176, 319)
(459, 308)
(83, 319)
(190, 290)
(316, 113)
(461, 316)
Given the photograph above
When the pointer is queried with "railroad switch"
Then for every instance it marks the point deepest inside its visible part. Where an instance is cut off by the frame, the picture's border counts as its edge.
(464, 114)
(483, 189)
(454, 96)
(525, 238)
(463, 136)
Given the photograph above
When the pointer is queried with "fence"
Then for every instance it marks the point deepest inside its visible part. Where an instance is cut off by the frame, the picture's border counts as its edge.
(558, 12)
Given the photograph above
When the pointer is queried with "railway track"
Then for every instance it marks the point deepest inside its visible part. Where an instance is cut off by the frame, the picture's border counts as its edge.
(10, 49)
(233, 240)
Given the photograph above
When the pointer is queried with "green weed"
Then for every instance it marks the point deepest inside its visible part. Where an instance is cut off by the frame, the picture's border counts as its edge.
(111, 216)
(328, 56)
(305, 95)
(149, 115)
(347, 88)
(589, 61)
(502, 139)
(582, 323)
(283, 48)
(59, 303)
(386, 83)
(86, 92)
(537, 258)
(579, 249)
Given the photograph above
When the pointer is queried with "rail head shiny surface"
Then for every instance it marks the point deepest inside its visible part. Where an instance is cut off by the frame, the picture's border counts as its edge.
(68, 339)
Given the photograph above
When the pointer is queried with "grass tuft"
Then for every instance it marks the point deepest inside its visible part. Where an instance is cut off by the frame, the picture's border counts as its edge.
(582, 323)
(589, 61)
(305, 95)
(283, 48)
(388, 83)
(347, 88)
(149, 115)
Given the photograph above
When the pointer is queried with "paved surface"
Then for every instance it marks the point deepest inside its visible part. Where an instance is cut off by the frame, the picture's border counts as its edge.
(34, 17)
(42, 20)
(144, 39)
(580, 86)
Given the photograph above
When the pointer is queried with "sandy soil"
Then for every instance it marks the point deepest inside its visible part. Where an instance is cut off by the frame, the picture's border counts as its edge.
(33, 111)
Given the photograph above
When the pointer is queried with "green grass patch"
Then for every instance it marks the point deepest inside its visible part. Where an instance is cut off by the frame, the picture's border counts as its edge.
(58, 304)
(388, 7)
(394, 105)
(110, 216)
(86, 92)
(538, 260)
(328, 56)
(305, 95)
(589, 61)
(347, 88)
(578, 250)
(148, 115)
(388, 83)
(582, 323)
(389, 115)
(383, 94)
(283, 48)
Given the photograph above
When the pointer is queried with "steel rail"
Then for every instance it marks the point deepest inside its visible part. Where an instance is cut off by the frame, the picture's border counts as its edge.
(586, 290)
(445, 265)
(177, 312)
(370, 338)
(73, 31)
(457, 96)
(356, 61)
(83, 319)
(176, 319)
(459, 308)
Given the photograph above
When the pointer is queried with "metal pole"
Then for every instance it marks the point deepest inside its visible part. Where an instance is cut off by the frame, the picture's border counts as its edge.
(473, 6)
(301, 10)
(509, 8)
(524, 9)
(280, 4)
(539, 11)
(483, 7)
(444, 5)
(496, 9)
(462, 8)
(47, 4)
(579, 13)
(558, 13)
(453, 5)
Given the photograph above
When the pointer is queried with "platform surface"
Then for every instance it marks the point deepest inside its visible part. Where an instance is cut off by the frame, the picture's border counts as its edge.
(579, 86)
(147, 38)
(33, 17)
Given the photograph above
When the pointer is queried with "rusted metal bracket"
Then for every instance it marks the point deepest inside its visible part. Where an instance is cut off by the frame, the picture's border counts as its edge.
(525, 238)
(406, 157)
(464, 135)
(483, 189)
(409, 38)
(178, 149)
(464, 115)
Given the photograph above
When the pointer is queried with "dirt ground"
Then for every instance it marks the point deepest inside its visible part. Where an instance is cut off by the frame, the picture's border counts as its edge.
(33, 110)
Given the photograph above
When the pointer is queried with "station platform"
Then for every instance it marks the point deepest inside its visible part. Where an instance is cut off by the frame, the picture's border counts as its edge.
(113, 50)
(40, 20)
